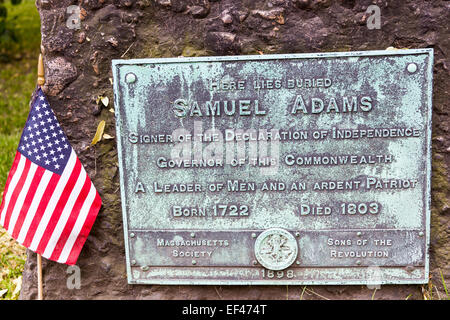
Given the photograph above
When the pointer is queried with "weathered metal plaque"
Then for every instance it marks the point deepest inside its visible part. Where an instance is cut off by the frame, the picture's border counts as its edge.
(277, 169)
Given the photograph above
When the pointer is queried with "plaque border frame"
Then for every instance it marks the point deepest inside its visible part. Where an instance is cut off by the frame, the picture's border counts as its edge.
(116, 63)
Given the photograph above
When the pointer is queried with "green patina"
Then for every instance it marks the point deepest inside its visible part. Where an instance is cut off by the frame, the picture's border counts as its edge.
(388, 93)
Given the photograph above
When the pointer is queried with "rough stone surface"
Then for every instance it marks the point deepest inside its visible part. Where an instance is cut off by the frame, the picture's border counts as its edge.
(78, 70)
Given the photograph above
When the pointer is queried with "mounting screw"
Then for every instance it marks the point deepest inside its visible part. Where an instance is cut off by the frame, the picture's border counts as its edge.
(358, 262)
(359, 233)
(421, 234)
(409, 268)
(255, 262)
(297, 262)
(192, 235)
(145, 268)
(253, 235)
(133, 262)
(130, 78)
(297, 234)
(132, 235)
(412, 67)
(194, 262)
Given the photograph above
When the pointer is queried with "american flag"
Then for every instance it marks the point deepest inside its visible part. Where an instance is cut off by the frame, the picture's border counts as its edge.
(49, 203)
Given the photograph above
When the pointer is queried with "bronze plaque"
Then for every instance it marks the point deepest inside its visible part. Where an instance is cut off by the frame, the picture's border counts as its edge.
(278, 169)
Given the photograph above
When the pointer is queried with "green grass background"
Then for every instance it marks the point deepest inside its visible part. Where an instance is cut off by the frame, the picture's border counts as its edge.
(18, 72)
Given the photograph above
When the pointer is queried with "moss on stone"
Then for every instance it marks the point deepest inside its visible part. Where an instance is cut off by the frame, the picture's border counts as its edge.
(440, 185)
(190, 51)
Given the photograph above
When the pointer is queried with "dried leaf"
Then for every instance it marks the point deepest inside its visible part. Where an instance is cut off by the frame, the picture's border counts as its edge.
(111, 110)
(18, 283)
(280, 19)
(99, 133)
(107, 136)
(105, 101)
(2, 292)
(393, 48)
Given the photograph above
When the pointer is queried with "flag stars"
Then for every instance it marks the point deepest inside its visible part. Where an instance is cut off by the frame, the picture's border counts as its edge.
(42, 133)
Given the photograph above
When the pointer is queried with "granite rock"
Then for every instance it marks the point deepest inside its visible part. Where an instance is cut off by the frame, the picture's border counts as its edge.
(78, 66)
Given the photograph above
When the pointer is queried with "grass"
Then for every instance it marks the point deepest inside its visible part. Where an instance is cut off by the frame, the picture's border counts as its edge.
(17, 82)
(444, 284)
(12, 260)
(431, 291)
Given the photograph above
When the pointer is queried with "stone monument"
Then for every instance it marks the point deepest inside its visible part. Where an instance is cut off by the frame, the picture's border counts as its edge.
(79, 44)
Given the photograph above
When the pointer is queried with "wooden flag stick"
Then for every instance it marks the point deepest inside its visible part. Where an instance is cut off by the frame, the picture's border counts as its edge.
(40, 75)
(40, 82)
(39, 276)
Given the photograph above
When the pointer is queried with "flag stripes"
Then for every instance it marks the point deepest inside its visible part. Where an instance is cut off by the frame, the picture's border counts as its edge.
(53, 210)
(27, 206)
(20, 202)
(80, 231)
(12, 187)
(41, 204)
(49, 203)
(48, 212)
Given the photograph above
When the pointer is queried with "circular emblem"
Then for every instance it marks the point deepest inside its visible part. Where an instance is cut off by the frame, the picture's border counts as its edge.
(276, 249)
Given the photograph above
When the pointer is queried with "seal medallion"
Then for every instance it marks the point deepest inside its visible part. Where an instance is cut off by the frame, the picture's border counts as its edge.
(276, 249)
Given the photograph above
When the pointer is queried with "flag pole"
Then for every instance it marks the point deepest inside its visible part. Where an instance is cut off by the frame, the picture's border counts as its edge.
(39, 274)
(40, 82)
